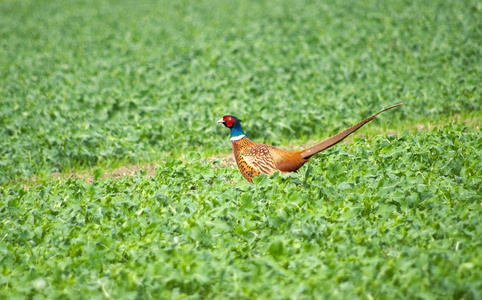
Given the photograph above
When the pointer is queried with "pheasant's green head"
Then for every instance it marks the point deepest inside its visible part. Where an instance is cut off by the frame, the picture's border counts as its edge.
(234, 124)
(229, 121)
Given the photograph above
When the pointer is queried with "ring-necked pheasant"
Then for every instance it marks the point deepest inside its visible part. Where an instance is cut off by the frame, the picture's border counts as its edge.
(253, 158)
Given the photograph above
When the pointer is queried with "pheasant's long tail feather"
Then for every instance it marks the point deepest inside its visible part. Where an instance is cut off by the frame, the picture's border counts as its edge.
(331, 141)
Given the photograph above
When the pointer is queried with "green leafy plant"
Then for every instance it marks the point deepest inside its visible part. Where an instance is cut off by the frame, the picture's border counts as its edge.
(383, 217)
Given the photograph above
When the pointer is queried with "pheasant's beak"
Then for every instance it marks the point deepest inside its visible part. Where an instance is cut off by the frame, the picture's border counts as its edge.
(221, 121)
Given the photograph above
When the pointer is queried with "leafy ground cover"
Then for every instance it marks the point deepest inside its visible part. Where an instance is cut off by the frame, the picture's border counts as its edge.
(96, 85)
(386, 218)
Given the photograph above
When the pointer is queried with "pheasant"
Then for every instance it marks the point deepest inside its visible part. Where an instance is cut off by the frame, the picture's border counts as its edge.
(253, 158)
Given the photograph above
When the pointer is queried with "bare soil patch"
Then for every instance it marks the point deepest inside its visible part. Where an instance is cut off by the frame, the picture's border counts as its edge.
(224, 160)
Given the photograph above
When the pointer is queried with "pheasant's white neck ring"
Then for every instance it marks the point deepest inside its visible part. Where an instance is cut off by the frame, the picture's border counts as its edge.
(237, 138)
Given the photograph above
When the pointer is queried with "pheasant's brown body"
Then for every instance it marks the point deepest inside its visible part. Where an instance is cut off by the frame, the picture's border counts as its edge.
(253, 158)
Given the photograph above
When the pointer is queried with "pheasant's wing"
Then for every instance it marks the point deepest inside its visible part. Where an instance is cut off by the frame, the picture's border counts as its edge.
(259, 158)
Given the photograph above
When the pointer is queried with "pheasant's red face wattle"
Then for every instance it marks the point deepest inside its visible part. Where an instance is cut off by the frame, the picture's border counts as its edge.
(229, 121)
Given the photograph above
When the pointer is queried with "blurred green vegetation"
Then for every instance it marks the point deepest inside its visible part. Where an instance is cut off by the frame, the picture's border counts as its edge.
(85, 83)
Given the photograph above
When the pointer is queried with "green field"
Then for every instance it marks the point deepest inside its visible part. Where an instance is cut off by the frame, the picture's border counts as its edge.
(90, 86)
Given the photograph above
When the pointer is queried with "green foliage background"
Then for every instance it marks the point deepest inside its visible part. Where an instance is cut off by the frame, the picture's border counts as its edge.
(104, 83)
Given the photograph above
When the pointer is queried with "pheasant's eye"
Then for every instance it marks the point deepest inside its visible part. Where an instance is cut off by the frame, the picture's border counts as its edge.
(229, 121)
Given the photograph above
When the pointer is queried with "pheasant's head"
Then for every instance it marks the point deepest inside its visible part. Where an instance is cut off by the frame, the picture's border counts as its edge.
(234, 124)
(229, 121)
